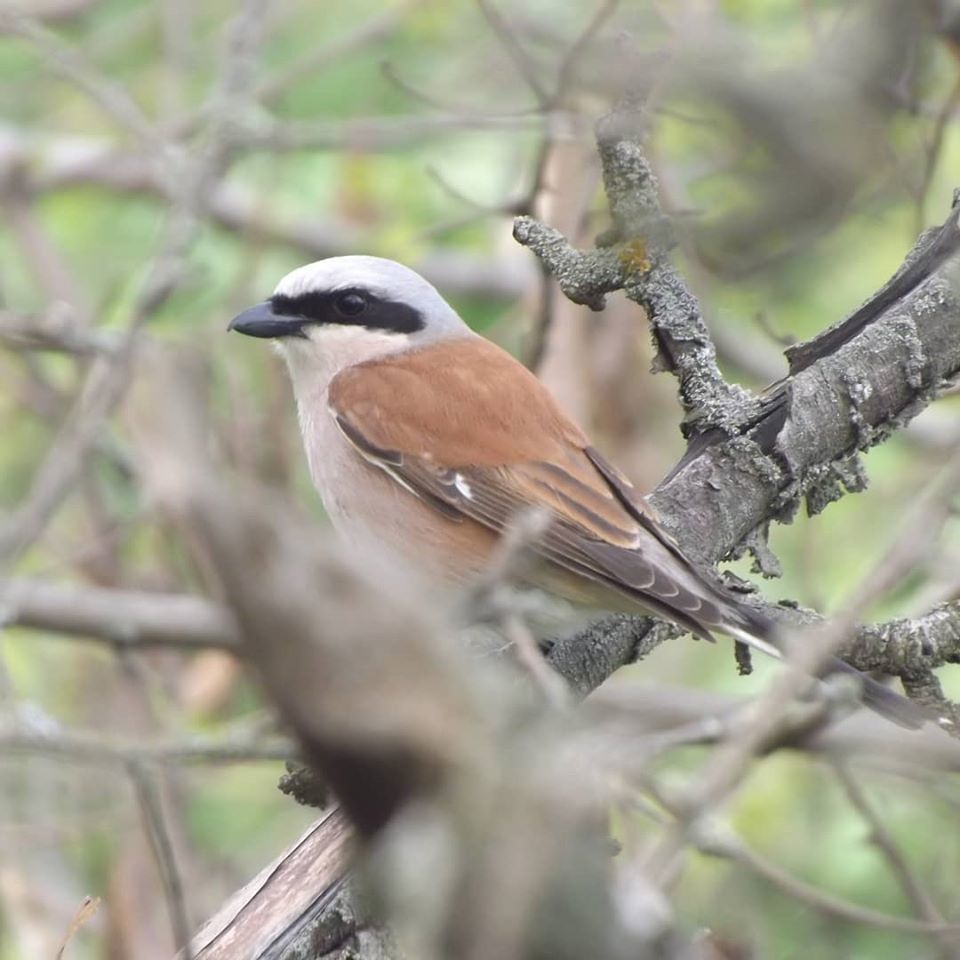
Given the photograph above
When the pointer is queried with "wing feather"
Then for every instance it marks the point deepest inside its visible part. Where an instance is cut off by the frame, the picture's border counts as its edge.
(536, 457)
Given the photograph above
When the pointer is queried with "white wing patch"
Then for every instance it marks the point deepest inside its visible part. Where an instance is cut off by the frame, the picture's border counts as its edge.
(751, 641)
(438, 502)
(463, 488)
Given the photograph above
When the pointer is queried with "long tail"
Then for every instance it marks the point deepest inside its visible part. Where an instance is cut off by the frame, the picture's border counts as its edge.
(657, 576)
(888, 703)
(760, 632)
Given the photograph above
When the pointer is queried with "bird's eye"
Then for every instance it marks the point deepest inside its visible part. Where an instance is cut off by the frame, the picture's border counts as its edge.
(350, 304)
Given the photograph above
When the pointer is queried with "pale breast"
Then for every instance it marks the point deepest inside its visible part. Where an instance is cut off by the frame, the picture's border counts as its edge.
(391, 529)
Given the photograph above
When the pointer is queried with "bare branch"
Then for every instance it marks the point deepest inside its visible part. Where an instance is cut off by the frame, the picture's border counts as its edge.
(70, 63)
(732, 848)
(521, 59)
(158, 834)
(389, 132)
(301, 898)
(861, 739)
(21, 736)
(53, 165)
(373, 29)
(109, 375)
(53, 332)
(881, 837)
(132, 618)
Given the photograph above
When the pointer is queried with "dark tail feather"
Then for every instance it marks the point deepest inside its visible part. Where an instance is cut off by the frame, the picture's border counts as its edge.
(888, 703)
(882, 700)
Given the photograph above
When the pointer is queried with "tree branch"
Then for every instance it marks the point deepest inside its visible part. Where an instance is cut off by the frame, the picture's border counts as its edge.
(753, 459)
(123, 617)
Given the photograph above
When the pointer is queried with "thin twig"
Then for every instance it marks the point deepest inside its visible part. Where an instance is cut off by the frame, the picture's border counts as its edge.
(734, 849)
(528, 654)
(883, 840)
(933, 152)
(391, 74)
(375, 29)
(389, 132)
(567, 72)
(85, 911)
(70, 63)
(517, 54)
(54, 332)
(541, 330)
(161, 843)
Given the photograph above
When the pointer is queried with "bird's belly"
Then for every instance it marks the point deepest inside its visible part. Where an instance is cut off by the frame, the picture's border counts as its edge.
(408, 534)
(389, 528)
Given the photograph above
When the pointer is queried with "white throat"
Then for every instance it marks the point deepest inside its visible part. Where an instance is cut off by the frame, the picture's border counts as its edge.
(315, 361)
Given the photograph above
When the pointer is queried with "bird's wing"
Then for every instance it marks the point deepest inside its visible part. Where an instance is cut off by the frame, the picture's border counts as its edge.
(472, 432)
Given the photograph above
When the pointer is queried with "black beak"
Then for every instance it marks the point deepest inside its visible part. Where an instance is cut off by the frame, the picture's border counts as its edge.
(261, 321)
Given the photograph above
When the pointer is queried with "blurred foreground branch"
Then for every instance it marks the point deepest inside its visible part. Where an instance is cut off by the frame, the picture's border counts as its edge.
(452, 775)
(630, 723)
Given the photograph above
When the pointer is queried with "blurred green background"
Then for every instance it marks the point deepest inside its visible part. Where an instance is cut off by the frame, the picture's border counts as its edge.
(406, 130)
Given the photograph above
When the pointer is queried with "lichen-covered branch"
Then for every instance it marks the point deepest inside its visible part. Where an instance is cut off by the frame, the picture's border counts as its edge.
(642, 238)
(753, 459)
(634, 257)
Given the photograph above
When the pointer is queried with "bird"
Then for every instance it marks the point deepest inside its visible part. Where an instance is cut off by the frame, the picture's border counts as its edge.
(425, 440)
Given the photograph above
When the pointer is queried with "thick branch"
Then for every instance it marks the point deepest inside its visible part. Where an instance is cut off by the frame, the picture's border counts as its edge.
(751, 459)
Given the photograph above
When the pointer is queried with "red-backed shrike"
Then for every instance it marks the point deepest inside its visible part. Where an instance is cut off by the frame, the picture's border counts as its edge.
(424, 440)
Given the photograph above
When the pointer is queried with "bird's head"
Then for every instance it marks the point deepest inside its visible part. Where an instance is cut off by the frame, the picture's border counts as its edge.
(338, 312)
